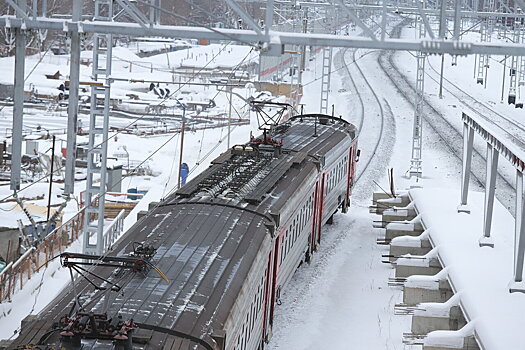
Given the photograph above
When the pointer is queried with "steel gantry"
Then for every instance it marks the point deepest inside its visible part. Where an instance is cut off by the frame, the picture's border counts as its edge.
(485, 30)
(98, 133)
(325, 79)
(513, 69)
(417, 129)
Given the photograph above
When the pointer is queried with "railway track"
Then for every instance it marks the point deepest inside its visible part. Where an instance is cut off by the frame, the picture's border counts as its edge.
(380, 136)
(373, 118)
(376, 115)
(507, 126)
(451, 138)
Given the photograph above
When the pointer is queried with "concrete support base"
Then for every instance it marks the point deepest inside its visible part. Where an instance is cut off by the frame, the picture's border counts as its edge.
(391, 215)
(426, 324)
(392, 233)
(414, 296)
(403, 271)
(400, 249)
(469, 343)
(382, 201)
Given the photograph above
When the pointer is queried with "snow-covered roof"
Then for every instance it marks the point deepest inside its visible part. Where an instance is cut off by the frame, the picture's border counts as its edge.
(480, 274)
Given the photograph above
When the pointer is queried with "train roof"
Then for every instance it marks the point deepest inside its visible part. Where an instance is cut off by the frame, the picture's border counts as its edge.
(247, 173)
(207, 236)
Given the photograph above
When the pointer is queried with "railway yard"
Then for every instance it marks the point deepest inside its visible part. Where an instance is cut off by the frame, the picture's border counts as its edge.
(233, 193)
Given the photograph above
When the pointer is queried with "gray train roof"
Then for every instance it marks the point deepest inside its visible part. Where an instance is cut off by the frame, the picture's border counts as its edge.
(207, 236)
(246, 175)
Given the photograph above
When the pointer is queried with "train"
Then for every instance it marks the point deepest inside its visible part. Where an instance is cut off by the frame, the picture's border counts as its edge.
(204, 269)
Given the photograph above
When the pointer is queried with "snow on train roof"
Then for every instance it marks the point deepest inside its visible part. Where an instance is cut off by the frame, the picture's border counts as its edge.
(308, 137)
(203, 250)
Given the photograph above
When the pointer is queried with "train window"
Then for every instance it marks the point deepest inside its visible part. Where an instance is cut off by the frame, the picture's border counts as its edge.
(243, 338)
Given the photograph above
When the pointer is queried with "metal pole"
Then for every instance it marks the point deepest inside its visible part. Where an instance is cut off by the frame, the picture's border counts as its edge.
(72, 108)
(443, 19)
(516, 284)
(490, 188)
(457, 20)
(441, 77)
(230, 115)
(51, 179)
(181, 142)
(268, 22)
(18, 109)
(468, 142)
(303, 47)
(503, 84)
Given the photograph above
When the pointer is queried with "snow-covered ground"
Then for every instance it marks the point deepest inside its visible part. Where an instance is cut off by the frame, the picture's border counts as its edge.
(342, 299)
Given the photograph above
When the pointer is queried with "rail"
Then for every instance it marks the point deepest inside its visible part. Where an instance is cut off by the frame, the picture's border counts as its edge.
(113, 231)
(17, 274)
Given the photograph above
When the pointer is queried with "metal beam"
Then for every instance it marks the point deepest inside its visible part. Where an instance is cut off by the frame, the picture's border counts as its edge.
(409, 10)
(72, 107)
(457, 20)
(18, 109)
(425, 20)
(443, 19)
(356, 19)
(310, 39)
(268, 22)
(468, 143)
(517, 284)
(133, 12)
(490, 188)
(19, 11)
(246, 17)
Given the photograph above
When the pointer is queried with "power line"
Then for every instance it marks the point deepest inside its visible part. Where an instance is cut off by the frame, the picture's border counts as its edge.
(164, 99)
(141, 117)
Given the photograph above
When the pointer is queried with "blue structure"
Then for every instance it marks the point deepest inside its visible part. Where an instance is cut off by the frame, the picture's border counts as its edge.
(184, 172)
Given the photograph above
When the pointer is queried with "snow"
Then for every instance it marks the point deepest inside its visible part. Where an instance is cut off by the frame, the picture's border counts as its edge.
(410, 241)
(438, 309)
(481, 274)
(401, 225)
(427, 282)
(417, 260)
(450, 339)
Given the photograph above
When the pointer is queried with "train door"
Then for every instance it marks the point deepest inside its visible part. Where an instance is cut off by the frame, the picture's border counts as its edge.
(350, 175)
(274, 274)
(320, 207)
(267, 295)
(318, 212)
(315, 213)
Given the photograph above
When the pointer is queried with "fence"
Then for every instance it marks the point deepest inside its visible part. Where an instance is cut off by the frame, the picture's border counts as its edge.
(113, 231)
(16, 274)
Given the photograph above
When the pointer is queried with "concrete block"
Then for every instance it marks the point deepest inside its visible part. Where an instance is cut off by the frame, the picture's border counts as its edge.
(396, 250)
(418, 295)
(404, 271)
(414, 296)
(425, 324)
(469, 344)
(392, 233)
